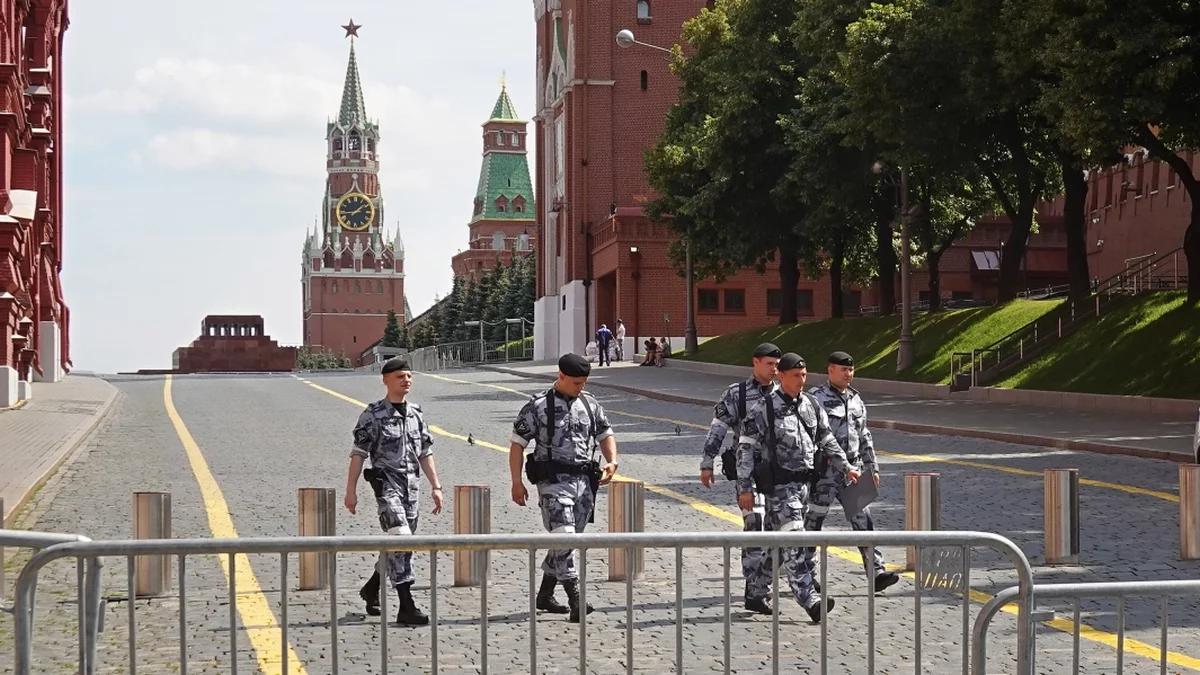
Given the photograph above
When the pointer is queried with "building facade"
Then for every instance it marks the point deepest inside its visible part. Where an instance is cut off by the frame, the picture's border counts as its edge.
(502, 217)
(353, 270)
(233, 343)
(34, 318)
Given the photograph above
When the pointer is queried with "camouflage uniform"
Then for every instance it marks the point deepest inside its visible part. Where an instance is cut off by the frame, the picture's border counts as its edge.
(393, 438)
(727, 416)
(795, 460)
(566, 500)
(848, 419)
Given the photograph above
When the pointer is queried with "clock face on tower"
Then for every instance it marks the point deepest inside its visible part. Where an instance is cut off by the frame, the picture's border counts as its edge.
(355, 212)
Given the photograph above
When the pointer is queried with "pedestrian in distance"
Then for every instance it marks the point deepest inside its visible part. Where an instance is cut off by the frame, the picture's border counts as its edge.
(620, 336)
(730, 414)
(565, 425)
(392, 440)
(651, 348)
(604, 339)
(848, 419)
(776, 457)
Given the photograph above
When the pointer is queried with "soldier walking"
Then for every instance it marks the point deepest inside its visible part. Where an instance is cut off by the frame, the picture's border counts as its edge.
(392, 439)
(566, 424)
(848, 419)
(776, 456)
(730, 413)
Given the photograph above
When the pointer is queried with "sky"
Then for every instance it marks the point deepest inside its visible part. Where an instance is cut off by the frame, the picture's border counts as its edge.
(194, 152)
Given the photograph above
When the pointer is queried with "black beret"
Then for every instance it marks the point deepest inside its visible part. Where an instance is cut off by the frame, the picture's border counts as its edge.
(394, 364)
(791, 361)
(841, 359)
(767, 349)
(574, 365)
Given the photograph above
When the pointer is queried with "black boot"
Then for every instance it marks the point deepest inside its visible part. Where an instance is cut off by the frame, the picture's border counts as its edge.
(409, 615)
(758, 605)
(572, 590)
(370, 594)
(545, 596)
(884, 580)
(814, 612)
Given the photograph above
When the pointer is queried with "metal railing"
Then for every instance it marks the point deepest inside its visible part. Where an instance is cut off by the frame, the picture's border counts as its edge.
(469, 353)
(1121, 590)
(988, 364)
(962, 542)
(87, 584)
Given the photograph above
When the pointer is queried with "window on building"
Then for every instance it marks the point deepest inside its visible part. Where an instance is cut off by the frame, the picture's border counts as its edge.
(852, 303)
(354, 142)
(735, 301)
(518, 205)
(357, 287)
(354, 339)
(774, 301)
(707, 300)
(643, 10)
(523, 242)
(334, 287)
(513, 139)
(645, 81)
(502, 203)
(804, 302)
(498, 241)
(499, 138)
(337, 145)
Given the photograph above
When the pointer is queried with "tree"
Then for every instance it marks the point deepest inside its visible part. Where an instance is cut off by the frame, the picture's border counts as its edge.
(1126, 73)
(392, 336)
(940, 79)
(450, 312)
(949, 206)
(721, 161)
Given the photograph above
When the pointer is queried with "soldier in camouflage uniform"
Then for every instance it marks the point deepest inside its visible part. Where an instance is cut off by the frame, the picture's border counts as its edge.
(730, 413)
(392, 437)
(564, 424)
(779, 447)
(848, 419)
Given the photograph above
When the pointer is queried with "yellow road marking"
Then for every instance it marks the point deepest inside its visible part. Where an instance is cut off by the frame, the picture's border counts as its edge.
(1086, 632)
(257, 617)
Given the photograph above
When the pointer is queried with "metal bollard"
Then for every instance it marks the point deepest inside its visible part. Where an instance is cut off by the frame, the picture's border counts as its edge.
(1061, 511)
(472, 515)
(922, 506)
(151, 520)
(626, 513)
(318, 510)
(1189, 512)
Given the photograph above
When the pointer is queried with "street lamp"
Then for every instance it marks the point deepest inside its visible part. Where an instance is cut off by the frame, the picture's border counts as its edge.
(904, 355)
(626, 39)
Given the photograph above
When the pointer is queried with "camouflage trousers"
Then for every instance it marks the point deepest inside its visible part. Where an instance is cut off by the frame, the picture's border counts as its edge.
(786, 508)
(396, 503)
(566, 505)
(827, 489)
(756, 568)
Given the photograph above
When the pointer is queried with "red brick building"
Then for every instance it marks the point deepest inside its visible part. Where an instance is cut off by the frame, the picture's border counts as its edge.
(599, 107)
(503, 214)
(233, 343)
(352, 271)
(34, 318)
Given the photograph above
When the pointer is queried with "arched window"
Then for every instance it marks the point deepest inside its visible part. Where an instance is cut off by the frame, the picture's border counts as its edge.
(645, 80)
(515, 139)
(353, 141)
(501, 204)
(337, 144)
(498, 241)
(518, 205)
(334, 287)
(371, 145)
(643, 10)
(500, 138)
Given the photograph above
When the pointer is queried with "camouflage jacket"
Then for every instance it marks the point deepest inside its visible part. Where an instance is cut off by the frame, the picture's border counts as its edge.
(574, 432)
(797, 423)
(727, 416)
(848, 419)
(393, 437)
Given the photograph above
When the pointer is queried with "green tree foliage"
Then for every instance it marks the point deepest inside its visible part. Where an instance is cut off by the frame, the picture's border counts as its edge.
(450, 312)
(392, 336)
(323, 359)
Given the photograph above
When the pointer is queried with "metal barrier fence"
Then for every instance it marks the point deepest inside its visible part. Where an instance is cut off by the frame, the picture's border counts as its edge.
(1121, 590)
(726, 541)
(87, 580)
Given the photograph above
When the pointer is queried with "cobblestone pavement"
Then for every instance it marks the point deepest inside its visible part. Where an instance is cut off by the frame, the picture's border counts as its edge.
(265, 436)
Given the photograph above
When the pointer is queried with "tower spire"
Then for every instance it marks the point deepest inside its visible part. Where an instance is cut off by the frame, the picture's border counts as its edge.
(353, 110)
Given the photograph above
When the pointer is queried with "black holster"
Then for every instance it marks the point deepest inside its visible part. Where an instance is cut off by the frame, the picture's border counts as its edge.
(729, 463)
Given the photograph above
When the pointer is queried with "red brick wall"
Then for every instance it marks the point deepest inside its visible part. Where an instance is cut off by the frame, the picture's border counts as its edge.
(347, 321)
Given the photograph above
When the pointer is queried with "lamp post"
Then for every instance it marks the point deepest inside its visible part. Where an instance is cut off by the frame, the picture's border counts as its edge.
(904, 355)
(626, 39)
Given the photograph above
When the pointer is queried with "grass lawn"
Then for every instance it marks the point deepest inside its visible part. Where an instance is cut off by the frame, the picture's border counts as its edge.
(873, 340)
(1150, 346)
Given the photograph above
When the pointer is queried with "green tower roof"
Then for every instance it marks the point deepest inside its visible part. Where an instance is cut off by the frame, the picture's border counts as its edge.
(504, 174)
(353, 110)
(504, 110)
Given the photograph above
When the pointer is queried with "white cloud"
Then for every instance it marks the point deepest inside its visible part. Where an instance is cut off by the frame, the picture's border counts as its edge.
(197, 148)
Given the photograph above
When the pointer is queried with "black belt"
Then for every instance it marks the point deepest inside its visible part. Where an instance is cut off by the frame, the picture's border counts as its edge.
(788, 476)
(550, 466)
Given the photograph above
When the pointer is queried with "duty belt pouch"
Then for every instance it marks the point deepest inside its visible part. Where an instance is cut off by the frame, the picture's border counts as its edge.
(764, 467)
(729, 463)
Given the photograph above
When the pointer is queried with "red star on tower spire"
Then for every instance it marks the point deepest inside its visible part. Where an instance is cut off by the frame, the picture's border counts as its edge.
(352, 28)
